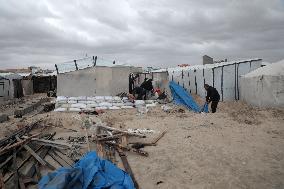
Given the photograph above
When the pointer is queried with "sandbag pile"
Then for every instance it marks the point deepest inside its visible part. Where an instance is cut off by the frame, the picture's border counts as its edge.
(84, 103)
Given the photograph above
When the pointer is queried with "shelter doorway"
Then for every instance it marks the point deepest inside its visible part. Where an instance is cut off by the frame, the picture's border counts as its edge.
(18, 89)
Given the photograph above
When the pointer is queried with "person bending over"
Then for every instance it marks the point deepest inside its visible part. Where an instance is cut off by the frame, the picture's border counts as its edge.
(212, 96)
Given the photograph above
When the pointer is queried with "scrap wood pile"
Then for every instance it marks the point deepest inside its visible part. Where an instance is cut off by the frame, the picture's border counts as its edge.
(112, 142)
(23, 156)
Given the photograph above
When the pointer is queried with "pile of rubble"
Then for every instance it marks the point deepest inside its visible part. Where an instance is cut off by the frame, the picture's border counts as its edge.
(23, 155)
(112, 142)
(83, 103)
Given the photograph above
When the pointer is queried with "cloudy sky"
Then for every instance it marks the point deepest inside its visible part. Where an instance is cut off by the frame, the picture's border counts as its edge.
(140, 32)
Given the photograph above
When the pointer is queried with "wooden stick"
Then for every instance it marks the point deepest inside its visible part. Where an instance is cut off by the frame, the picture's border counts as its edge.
(6, 178)
(127, 167)
(50, 142)
(159, 137)
(8, 148)
(121, 131)
(41, 161)
(15, 170)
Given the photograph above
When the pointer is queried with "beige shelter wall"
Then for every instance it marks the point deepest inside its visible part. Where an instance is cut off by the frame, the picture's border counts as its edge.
(95, 81)
(263, 91)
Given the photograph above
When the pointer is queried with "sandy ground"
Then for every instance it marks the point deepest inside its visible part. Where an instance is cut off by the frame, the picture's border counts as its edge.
(237, 147)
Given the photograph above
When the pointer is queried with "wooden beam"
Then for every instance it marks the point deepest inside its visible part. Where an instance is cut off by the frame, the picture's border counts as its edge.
(127, 167)
(121, 131)
(8, 148)
(33, 153)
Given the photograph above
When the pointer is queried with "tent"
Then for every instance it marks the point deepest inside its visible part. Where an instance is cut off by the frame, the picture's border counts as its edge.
(223, 76)
(264, 87)
(10, 86)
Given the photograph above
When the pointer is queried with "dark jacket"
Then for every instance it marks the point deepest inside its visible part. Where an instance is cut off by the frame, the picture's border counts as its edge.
(212, 94)
(147, 85)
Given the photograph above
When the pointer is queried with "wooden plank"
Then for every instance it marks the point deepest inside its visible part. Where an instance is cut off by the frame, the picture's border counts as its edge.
(38, 174)
(8, 148)
(2, 185)
(50, 142)
(32, 169)
(63, 157)
(159, 137)
(121, 131)
(6, 178)
(21, 183)
(41, 161)
(15, 170)
(58, 159)
(124, 141)
(127, 167)
(100, 150)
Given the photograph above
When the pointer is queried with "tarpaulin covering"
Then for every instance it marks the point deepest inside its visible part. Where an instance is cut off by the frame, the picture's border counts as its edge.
(182, 97)
(90, 172)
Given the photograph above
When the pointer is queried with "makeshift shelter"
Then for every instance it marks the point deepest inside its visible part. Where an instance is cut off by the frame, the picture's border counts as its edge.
(93, 77)
(264, 87)
(159, 77)
(223, 76)
(10, 86)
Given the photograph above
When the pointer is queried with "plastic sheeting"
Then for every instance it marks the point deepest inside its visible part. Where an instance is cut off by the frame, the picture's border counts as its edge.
(181, 97)
(90, 172)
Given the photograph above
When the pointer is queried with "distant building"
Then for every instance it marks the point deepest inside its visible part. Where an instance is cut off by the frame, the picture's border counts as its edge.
(207, 60)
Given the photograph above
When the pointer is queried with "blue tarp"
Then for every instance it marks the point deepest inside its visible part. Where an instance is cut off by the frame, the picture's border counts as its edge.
(90, 172)
(181, 97)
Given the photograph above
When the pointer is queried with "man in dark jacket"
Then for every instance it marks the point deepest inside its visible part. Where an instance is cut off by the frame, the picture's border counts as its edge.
(212, 96)
(140, 93)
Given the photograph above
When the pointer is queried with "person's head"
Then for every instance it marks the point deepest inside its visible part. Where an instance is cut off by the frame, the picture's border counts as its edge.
(206, 86)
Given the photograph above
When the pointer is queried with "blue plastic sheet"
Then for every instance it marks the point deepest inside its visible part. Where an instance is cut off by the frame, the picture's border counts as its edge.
(182, 97)
(90, 172)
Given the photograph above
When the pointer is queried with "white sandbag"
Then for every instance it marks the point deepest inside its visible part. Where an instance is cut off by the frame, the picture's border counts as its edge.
(139, 102)
(99, 97)
(82, 101)
(65, 105)
(61, 102)
(92, 105)
(61, 98)
(91, 98)
(124, 98)
(74, 109)
(118, 104)
(82, 98)
(101, 108)
(73, 98)
(126, 107)
(89, 109)
(71, 101)
(114, 108)
(149, 101)
(78, 105)
(90, 102)
(116, 98)
(60, 109)
(151, 105)
(106, 104)
(108, 98)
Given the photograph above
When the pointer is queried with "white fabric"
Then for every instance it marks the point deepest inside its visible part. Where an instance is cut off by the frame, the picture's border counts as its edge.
(264, 87)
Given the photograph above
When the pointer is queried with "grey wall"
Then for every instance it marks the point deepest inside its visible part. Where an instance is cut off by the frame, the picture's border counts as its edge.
(94, 81)
(27, 86)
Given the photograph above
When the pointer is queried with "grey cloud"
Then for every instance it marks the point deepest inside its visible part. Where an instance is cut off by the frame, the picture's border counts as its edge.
(146, 33)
